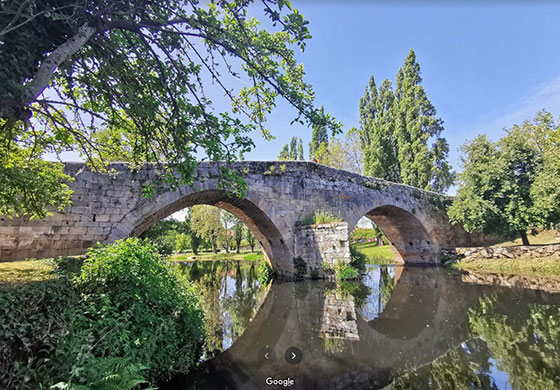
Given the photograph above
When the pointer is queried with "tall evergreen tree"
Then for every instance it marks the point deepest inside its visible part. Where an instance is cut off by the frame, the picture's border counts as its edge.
(377, 132)
(396, 129)
(416, 124)
(293, 148)
(300, 150)
(284, 153)
(292, 151)
(319, 136)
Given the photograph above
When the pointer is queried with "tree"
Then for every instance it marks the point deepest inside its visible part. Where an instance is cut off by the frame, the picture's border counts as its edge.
(545, 190)
(332, 154)
(185, 228)
(182, 242)
(396, 129)
(300, 150)
(139, 69)
(163, 235)
(292, 151)
(228, 222)
(238, 234)
(250, 237)
(284, 153)
(495, 192)
(206, 222)
(377, 132)
(319, 136)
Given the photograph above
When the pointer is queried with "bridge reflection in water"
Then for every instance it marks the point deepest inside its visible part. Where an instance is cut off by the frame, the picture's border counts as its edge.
(399, 321)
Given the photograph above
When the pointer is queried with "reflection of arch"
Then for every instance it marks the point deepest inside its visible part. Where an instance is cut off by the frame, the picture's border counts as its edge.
(410, 241)
(247, 211)
(413, 304)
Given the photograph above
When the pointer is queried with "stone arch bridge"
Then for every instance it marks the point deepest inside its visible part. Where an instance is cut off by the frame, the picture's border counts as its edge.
(280, 195)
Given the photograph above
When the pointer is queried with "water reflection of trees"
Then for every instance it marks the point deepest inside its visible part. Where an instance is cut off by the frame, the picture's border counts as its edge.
(231, 294)
(511, 339)
(524, 341)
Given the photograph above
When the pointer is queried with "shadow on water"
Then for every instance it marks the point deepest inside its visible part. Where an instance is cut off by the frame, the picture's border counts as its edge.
(402, 328)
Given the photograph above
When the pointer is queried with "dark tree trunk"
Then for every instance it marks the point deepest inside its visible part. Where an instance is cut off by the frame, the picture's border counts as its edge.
(524, 239)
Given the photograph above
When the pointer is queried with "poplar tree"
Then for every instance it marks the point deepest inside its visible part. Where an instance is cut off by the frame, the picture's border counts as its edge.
(400, 134)
(300, 150)
(319, 136)
(292, 150)
(377, 132)
(416, 124)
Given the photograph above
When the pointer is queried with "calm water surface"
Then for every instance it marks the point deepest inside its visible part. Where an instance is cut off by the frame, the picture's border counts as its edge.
(418, 328)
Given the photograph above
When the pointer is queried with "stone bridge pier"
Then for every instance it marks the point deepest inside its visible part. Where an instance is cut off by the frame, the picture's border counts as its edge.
(280, 196)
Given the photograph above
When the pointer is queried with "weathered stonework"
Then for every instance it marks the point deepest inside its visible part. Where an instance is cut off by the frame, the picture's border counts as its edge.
(110, 207)
(338, 320)
(327, 243)
(506, 252)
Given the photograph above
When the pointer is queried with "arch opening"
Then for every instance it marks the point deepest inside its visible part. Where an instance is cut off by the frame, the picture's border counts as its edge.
(263, 228)
(409, 239)
(396, 235)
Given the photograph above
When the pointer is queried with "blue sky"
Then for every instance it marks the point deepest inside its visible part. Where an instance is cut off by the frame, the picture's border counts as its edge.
(485, 65)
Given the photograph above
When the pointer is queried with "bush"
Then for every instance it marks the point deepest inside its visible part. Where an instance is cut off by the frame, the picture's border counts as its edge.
(320, 217)
(265, 272)
(33, 320)
(345, 272)
(300, 267)
(126, 319)
(314, 274)
(136, 308)
(357, 260)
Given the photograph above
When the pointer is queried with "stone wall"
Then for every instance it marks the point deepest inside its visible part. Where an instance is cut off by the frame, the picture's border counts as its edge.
(325, 243)
(508, 252)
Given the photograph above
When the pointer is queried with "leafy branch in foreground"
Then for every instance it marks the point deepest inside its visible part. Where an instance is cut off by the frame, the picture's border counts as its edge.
(140, 70)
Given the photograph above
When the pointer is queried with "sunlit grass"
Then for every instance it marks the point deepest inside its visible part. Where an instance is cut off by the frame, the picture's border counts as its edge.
(25, 271)
(541, 238)
(531, 266)
(243, 255)
(375, 254)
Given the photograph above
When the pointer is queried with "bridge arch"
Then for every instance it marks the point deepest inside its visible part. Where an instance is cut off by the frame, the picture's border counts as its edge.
(410, 241)
(265, 230)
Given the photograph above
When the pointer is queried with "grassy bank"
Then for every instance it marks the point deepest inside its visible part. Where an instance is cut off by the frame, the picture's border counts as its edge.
(530, 266)
(209, 256)
(26, 271)
(375, 254)
(541, 238)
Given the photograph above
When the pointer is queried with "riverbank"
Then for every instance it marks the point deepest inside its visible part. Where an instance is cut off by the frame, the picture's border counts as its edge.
(548, 266)
(243, 255)
(375, 254)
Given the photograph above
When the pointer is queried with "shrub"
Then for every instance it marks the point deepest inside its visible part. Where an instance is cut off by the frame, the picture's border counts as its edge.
(345, 272)
(137, 307)
(320, 217)
(33, 319)
(300, 267)
(265, 272)
(357, 260)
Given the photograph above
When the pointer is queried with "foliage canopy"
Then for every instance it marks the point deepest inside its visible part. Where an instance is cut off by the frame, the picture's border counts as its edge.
(139, 71)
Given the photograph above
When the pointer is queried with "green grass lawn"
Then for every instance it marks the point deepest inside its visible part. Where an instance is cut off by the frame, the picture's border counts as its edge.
(532, 266)
(209, 256)
(25, 271)
(374, 253)
(541, 238)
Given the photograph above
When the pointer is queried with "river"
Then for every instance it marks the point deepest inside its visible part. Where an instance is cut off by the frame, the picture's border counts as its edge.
(400, 328)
